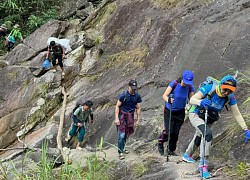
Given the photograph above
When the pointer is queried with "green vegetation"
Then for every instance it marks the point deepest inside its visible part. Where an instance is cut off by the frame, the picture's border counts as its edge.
(139, 169)
(28, 14)
(240, 171)
(165, 3)
(96, 168)
(103, 16)
(136, 56)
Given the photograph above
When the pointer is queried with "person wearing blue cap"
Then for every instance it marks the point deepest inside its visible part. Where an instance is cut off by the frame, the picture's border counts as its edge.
(176, 96)
(221, 95)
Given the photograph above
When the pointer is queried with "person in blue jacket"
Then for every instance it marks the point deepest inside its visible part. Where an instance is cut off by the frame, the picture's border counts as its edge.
(181, 90)
(222, 94)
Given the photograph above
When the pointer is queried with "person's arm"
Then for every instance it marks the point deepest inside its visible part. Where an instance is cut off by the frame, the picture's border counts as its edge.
(138, 112)
(117, 109)
(238, 116)
(166, 94)
(91, 116)
(48, 52)
(196, 98)
(190, 95)
(20, 36)
(77, 111)
(63, 54)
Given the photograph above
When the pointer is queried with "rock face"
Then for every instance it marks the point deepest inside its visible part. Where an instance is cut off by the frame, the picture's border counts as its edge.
(136, 40)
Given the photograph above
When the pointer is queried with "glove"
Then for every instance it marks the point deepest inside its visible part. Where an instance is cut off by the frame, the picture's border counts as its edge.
(247, 133)
(205, 103)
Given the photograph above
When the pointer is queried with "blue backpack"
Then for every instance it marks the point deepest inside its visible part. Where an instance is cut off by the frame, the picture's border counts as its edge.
(214, 82)
(212, 116)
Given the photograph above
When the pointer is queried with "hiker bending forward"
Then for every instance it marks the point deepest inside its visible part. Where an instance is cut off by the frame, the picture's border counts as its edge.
(80, 118)
(222, 94)
(126, 105)
(57, 56)
(181, 89)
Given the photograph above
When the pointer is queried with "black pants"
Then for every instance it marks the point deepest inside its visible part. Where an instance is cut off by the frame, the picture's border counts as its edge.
(176, 122)
(10, 46)
(59, 57)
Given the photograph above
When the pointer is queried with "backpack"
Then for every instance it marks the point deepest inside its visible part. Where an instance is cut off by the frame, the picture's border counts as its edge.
(213, 116)
(214, 82)
(125, 93)
(78, 104)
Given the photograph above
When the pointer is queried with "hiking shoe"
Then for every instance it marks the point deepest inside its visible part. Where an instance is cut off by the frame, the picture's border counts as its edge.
(121, 156)
(172, 153)
(78, 148)
(161, 148)
(205, 173)
(54, 70)
(68, 138)
(187, 158)
(63, 73)
(125, 151)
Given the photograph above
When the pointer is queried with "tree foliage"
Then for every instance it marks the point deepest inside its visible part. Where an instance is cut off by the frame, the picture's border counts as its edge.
(29, 14)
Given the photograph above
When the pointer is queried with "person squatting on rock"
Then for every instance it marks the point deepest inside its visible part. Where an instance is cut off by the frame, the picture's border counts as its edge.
(181, 89)
(58, 53)
(80, 118)
(127, 103)
(13, 36)
(223, 94)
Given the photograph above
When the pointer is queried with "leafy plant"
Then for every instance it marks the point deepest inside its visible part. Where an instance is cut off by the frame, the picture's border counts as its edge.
(242, 169)
(34, 22)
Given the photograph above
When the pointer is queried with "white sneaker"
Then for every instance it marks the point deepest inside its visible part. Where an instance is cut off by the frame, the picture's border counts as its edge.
(68, 138)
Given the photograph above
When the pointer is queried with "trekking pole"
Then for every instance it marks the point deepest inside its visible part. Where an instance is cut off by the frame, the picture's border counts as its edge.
(204, 142)
(169, 122)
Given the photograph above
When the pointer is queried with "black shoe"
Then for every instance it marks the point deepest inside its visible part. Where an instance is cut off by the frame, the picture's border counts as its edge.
(172, 153)
(161, 148)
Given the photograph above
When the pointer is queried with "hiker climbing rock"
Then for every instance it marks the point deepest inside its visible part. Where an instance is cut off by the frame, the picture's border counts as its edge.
(213, 97)
(127, 103)
(58, 53)
(14, 35)
(181, 89)
(80, 117)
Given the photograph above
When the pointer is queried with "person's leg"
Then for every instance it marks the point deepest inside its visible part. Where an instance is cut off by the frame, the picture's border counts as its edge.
(54, 57)
(121, 141)
(199, 126)
(81, 132)
(178, 120)
(164, 136)
(60, 63)
(10, 46)
(73, 130)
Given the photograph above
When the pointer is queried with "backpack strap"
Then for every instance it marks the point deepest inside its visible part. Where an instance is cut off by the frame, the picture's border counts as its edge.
(179, 81)
(125, 96)
(211, 94)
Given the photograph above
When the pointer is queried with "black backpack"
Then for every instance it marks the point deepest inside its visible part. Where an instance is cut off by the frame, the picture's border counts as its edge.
(78, 104)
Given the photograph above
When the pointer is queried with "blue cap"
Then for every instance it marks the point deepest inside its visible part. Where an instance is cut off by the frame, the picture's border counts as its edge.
(187, 77)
